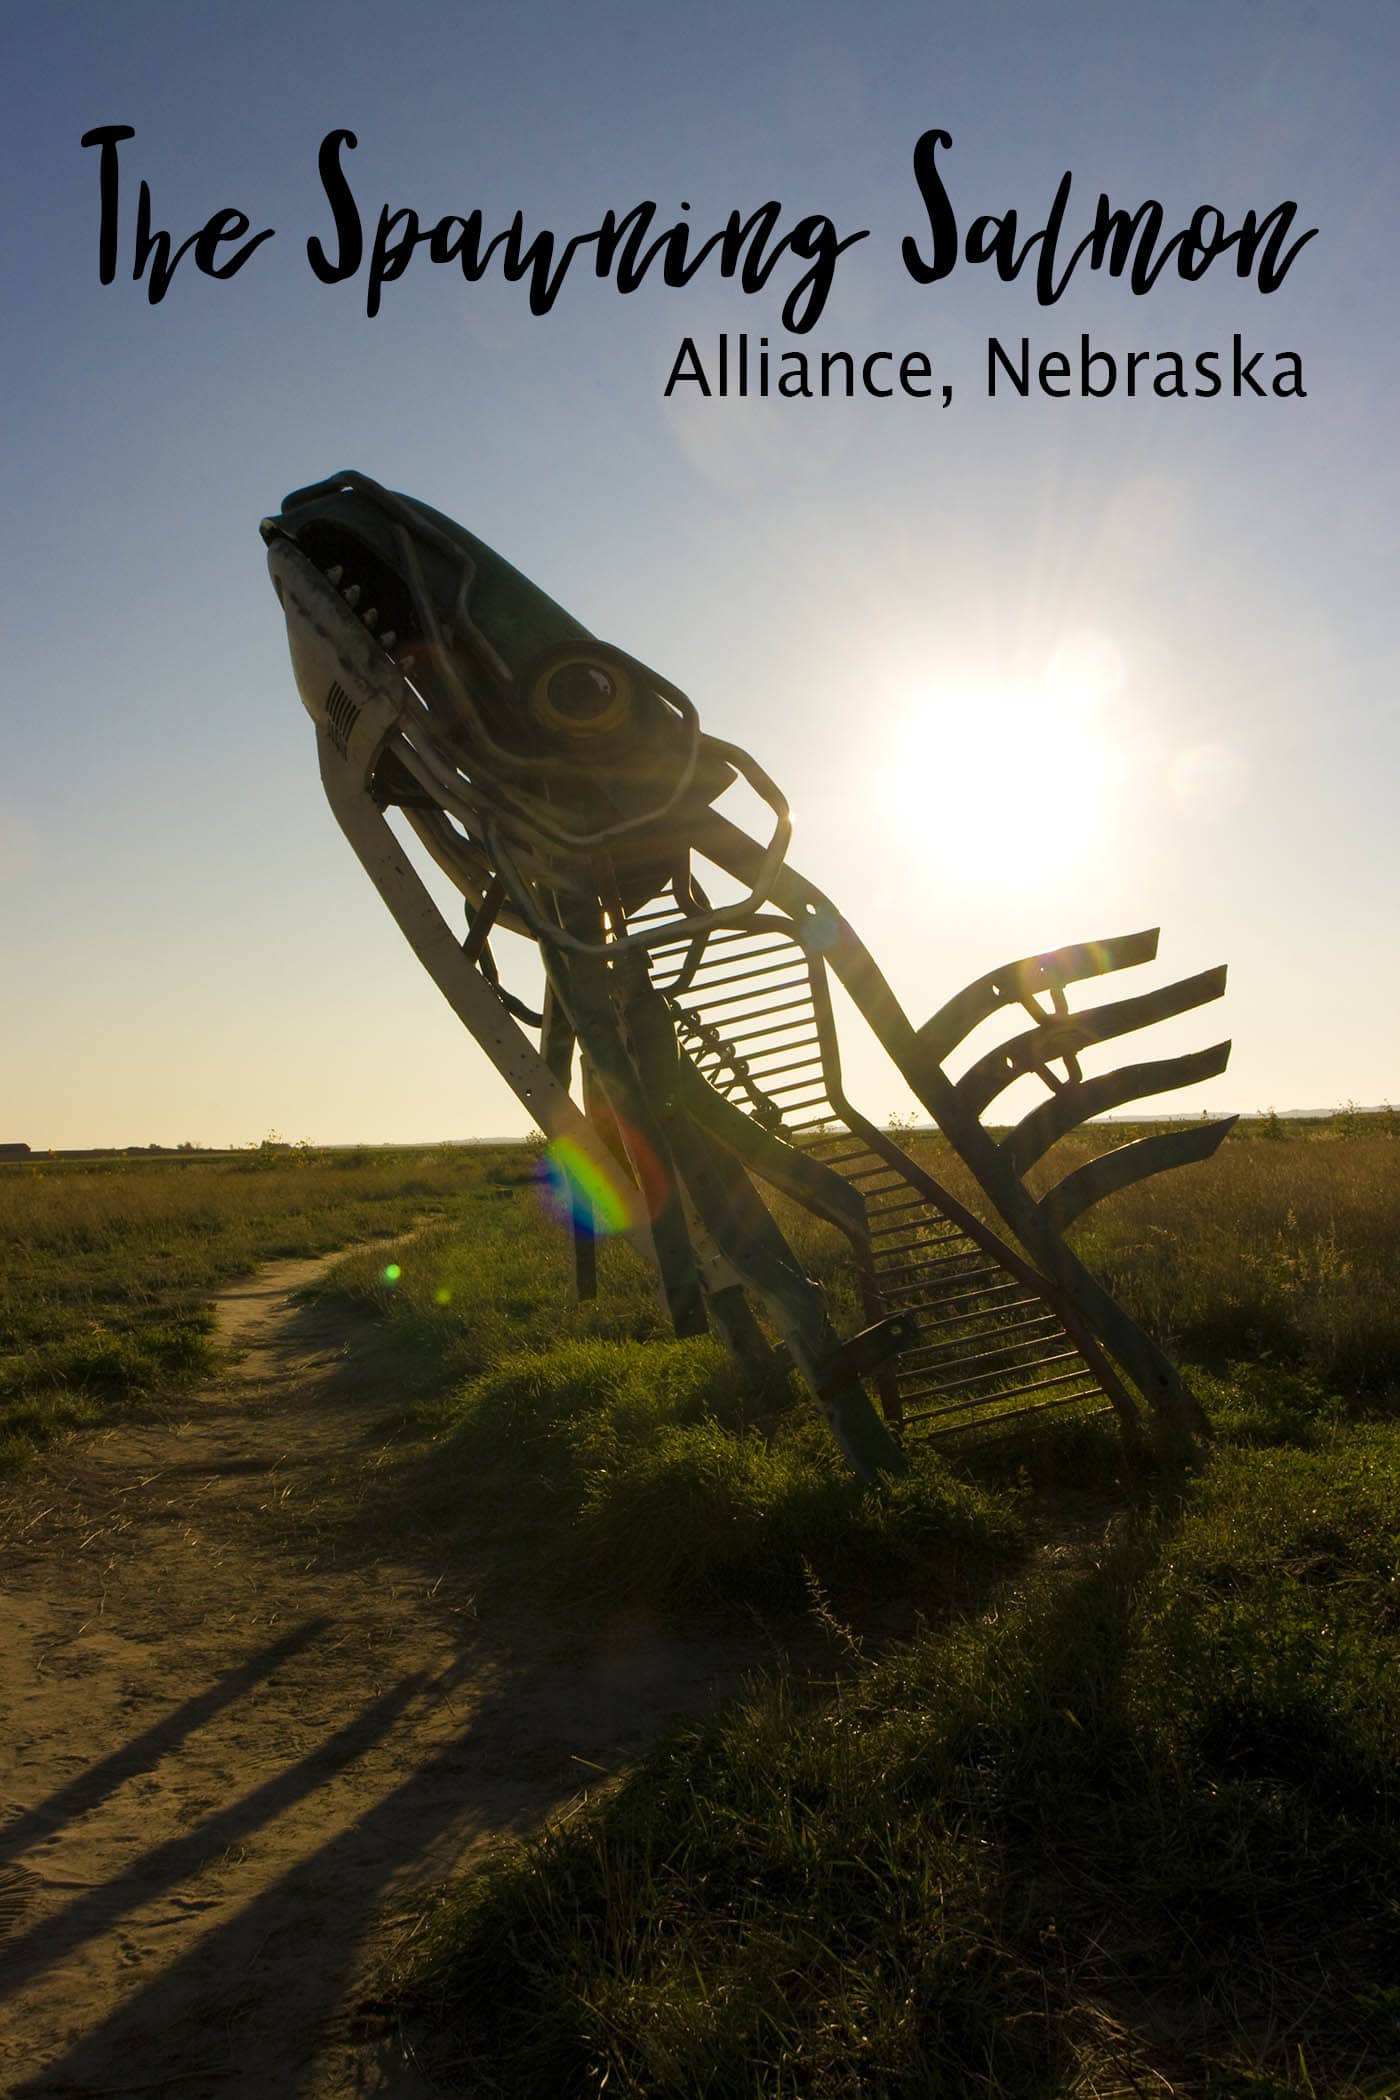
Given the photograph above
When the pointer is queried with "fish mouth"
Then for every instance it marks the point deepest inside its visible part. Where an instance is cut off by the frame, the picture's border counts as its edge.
(405, 577)
(350, 541)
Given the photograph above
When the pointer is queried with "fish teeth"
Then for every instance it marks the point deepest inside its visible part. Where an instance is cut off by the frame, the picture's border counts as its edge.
(351, 595)
(334, 575)
(388, 638)
(371, 618)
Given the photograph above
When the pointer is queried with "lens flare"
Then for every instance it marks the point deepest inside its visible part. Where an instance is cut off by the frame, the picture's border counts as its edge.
(578, 1191)
(1205, 780)
(392, 1273)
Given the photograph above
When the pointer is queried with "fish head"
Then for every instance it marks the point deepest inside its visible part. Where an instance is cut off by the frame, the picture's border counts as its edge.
(515, 689)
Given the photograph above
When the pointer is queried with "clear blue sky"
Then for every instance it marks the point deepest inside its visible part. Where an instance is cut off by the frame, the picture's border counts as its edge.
(890, 603)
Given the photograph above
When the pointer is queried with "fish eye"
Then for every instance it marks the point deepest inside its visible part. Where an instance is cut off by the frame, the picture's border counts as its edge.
(579, 692)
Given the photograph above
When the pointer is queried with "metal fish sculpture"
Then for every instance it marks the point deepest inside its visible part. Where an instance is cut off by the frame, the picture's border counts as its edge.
(569, 794)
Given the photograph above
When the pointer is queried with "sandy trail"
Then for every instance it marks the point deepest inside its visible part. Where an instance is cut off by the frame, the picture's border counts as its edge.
(235, 1756)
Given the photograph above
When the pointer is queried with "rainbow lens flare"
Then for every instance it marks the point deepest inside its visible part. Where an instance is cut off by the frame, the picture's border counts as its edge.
(577, 1191)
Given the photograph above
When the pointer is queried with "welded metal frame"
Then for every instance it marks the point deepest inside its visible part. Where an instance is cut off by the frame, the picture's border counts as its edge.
(591, 848)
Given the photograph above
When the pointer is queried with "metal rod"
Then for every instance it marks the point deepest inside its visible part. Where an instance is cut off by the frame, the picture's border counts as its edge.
(939, 1261)
(885, 1256)
(757, 1060)
(924, 1236)
(1044, 1385)
(907, 1358)
(971, 1298)
(888, 1210)
(984, 1423)
(700, 1000)
(649, 918)
(958, 1407)
(698, 992)
(759, 1012)
(746, 1036)
(714, 940)
(1007, 1371)
(798, 1064)
(739, 998)
(969, 1319)
(749, 1035)
(722, 969)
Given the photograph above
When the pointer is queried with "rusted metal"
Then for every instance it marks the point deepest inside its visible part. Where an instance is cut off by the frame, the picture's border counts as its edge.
(1017, 982)
(569, 793)
(1065, 1111)
(1056, 1037)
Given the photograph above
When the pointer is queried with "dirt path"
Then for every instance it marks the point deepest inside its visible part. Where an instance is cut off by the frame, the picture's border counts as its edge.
(234, 1756)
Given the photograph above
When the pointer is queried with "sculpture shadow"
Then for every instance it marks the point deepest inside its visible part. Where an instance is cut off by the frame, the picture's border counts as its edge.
(260, 1996)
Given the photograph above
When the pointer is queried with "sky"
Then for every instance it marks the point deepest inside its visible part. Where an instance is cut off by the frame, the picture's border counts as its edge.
(1031, 671)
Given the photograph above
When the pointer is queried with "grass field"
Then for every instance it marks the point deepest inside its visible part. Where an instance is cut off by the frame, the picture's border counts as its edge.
(1119, 1826)
(1120, 1816)
(1132, 1833)
(111, 1265)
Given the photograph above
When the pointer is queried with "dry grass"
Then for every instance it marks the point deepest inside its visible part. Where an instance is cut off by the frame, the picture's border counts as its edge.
(1131, 1832)
(1280, 1248)
(1134, 1832)
(105, 1296)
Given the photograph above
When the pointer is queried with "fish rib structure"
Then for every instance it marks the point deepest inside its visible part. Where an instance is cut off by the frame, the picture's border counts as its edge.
(685, 1053)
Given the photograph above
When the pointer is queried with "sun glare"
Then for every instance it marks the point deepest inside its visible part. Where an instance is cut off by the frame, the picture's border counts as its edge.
(1014, 777)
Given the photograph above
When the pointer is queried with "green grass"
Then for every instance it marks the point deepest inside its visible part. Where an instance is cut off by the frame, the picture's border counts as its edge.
(1138, 1833)
(636, 1464)
(1132, 1829)
(1122, 1823)
(494, 1279)
(110, 1269)
(1281, 1250)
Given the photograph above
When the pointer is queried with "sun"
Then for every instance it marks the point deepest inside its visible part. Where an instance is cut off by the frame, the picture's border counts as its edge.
(1005, 778)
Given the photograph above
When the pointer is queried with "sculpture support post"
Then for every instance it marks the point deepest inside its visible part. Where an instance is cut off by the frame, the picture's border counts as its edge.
(557, 1049)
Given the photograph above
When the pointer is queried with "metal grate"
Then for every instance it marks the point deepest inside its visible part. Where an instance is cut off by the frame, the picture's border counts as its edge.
(752, 1013)
(342, 714)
